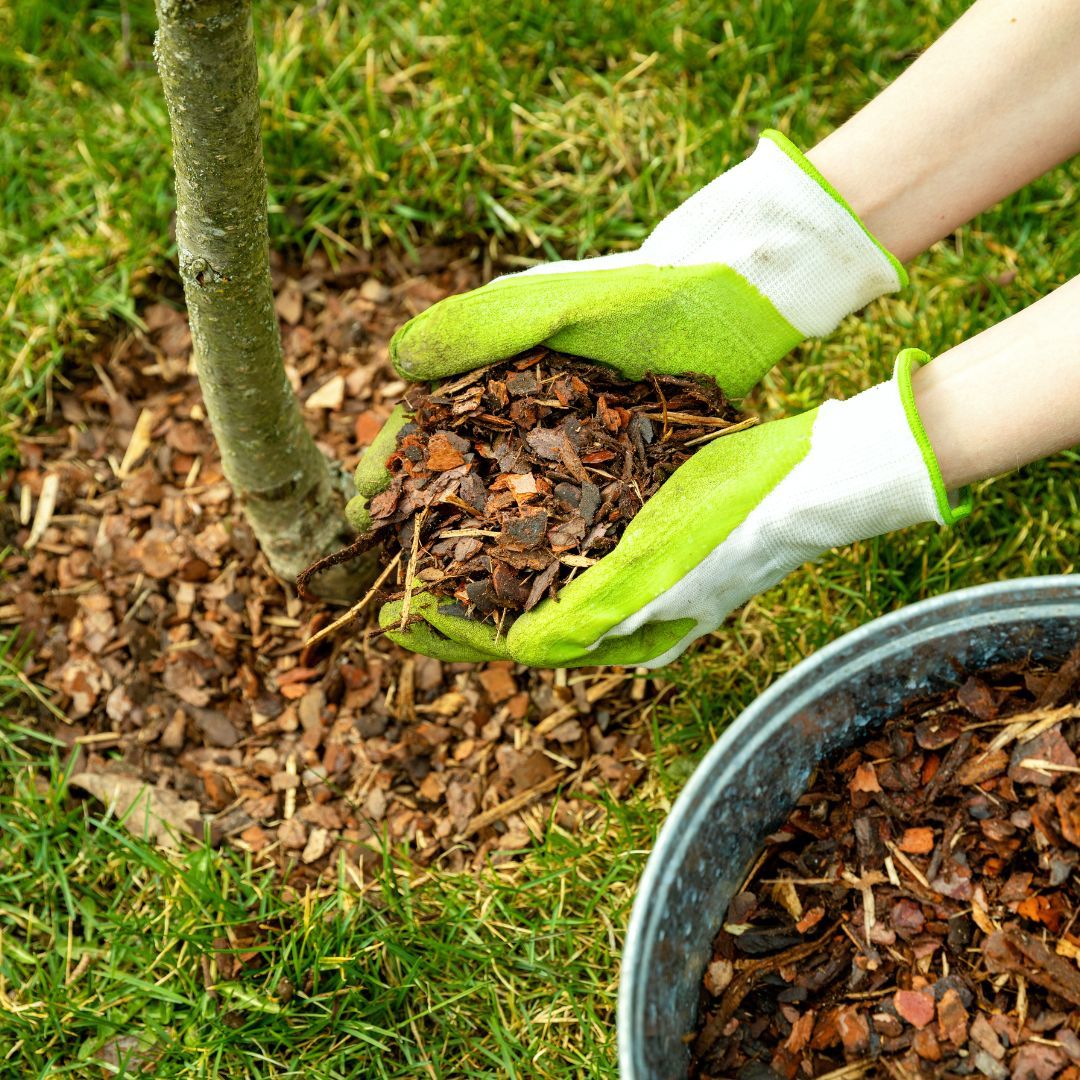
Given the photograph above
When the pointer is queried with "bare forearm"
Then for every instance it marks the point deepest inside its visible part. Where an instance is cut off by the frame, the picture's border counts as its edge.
(1007, 397)
(988, 107)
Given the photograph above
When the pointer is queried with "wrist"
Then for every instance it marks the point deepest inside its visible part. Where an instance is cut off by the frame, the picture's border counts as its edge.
(953, 500)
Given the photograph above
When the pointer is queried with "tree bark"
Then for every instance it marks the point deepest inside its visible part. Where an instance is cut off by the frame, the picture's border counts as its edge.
(205, 54)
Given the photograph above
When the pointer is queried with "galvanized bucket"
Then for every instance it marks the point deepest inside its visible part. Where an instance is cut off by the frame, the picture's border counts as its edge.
(750, 779)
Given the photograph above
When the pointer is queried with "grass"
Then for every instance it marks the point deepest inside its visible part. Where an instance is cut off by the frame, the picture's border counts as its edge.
(507, 976)
(528, 130)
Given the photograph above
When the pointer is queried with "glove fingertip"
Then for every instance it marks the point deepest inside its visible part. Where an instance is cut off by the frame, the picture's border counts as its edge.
(357, 513)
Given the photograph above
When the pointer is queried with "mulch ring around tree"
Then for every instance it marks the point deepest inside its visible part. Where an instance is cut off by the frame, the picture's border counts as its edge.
(173, 658)
(918, 914)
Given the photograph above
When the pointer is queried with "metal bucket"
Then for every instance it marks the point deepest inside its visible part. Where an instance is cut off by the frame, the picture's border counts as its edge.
(750, 779)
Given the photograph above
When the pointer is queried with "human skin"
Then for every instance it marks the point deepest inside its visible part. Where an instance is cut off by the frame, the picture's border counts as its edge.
(991, 105)
(978, 429)
(987, 108)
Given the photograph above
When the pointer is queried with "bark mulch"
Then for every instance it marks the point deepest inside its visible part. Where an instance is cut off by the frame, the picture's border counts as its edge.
(173, 658)
(508, 481)
(917, 914)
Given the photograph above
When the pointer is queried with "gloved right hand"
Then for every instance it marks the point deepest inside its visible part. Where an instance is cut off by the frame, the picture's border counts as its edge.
(743, 512)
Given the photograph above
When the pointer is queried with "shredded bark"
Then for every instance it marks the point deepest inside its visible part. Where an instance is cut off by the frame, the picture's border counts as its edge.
(943, 853)
(521, 475)
(176, 665)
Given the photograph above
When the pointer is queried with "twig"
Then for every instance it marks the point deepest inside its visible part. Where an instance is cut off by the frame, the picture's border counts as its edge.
(1040, 765)
(744, 983)
(410, 570)
(689, 419)
(510, 806)
(50, 487)
(908, 865)
(359, 606)
(357, 547)
(742, 425)
(663, 404)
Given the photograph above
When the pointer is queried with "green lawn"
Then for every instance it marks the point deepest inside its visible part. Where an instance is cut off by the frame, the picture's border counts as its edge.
(533, 130)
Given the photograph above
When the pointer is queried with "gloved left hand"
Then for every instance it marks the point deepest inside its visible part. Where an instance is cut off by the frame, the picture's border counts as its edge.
(732, 521)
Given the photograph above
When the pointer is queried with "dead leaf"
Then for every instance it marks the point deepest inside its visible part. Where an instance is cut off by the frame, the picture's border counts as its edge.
(154, 814)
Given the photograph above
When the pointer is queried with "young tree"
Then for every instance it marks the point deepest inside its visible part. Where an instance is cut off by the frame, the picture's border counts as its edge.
(292, 496)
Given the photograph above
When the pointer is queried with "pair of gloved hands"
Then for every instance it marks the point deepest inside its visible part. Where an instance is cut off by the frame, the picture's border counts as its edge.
(765, 255)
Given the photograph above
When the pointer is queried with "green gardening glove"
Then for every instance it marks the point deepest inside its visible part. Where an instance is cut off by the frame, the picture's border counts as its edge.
(742, 513)
(765, 255)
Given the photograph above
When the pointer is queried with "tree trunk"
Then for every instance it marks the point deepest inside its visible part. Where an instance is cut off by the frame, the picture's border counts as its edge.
(293, 500)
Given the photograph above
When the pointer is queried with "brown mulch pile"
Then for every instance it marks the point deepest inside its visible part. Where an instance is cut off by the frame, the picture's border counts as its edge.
(515, 477)
(917, 914)
(175, 658)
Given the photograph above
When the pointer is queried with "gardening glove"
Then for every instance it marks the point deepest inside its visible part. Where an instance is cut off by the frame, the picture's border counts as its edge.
(764, 256)
(732, 521)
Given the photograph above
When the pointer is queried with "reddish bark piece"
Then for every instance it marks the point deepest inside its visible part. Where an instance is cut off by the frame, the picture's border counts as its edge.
(255, 837)
(1070, 1042)
(939, 732)
(1037, 1061)
(918, 841)
(915, 1006)
(368, 424)
(385, 503)
(925, 1044)
(865, 779)
(521, 485)
(1016, 888)
(854, 1031)
(978, 698)
(1050, 910)
(1050, 746)
(826, 1030)
(498, 682)
(952, 1018)
(544, 443)
(907, 918)
(1068, 808)
(800, 1033)
(297, 674)
(985, 1037)
(442, 454)
(810, 919)
(982, 767)
(509, 588)
(526, 531)
(157, 552)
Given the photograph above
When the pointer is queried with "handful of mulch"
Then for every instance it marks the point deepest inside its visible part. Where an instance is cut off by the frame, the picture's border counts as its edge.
(919, 912)
(510, 480)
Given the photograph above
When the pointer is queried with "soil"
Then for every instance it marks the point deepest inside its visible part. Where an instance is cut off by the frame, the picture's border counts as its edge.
(172, 657)
(521, 475)
(917, 914)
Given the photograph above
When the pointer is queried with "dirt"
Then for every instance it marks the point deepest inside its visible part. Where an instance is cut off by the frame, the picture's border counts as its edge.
(916, 915)
(172, 657)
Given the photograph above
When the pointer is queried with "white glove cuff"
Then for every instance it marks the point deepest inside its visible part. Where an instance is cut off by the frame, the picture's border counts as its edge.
(775, 220)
